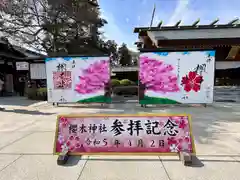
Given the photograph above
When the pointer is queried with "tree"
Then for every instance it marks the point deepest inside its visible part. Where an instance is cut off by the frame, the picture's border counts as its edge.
(69, 26)
(124, 55)
(111, 46)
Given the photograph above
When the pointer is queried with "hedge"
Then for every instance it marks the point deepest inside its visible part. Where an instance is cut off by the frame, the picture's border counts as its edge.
(37, 93)
(115, 82)
(126, 82)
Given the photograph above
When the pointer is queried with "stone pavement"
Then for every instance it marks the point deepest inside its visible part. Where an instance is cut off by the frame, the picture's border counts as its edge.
(27, 133)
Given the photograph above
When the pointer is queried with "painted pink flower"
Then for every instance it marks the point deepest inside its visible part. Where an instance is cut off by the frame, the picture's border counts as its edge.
(3, 3)
(171, 140)
(64, 122)
(61, 138)
(94, 78)
(182, 124)
(71, 148)
(77, 138)
(78, 145)
(157, 76)
(185, 144)
(173, 148)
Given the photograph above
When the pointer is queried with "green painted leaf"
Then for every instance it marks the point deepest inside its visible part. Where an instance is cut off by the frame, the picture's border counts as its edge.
(155, 100)
(96, 99)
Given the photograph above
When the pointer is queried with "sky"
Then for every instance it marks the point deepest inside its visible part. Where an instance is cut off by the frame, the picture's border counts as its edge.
(124, 15)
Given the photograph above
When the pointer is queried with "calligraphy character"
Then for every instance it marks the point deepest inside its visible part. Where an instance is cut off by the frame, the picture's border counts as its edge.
(96, 142)
(117, 127)
(73, 128)
(134, 126)
(169, 128)
(117, 143)
(88, 141)
(73, 64)
(151, 127)
(92, 128)
(102, 128)
(82, 128)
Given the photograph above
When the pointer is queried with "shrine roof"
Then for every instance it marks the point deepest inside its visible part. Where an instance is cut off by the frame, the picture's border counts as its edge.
(189, 27)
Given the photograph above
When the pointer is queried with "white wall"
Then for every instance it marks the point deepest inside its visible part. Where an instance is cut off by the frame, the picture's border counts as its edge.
(227, 64)
(196, 34)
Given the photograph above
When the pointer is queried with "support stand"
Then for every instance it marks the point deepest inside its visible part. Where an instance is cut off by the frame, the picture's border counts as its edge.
(143, 105)
(205, 105)
(186, 158)
(63, 158)
(55, 104)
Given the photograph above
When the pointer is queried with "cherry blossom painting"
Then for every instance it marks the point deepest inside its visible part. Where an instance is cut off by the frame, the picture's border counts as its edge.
(176, 77)
(78, 79)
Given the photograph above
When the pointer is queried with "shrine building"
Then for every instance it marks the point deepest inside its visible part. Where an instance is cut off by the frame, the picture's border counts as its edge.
(223, 38)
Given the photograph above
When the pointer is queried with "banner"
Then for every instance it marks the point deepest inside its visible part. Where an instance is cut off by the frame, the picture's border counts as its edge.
(78, 79)
(124, 134)
(176, 77)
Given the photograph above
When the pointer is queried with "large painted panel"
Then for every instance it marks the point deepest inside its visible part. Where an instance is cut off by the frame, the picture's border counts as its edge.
(176, 77)
(78, 79)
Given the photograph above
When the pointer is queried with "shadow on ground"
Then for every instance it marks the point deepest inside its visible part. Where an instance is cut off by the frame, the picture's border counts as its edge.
(23, 111)
(73, 161)
(16, 101)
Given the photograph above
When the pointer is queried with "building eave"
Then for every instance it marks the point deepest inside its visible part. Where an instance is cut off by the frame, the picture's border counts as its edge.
(179, 28)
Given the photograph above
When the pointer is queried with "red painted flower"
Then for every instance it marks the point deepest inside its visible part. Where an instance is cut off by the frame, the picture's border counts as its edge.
(182, 124)
(64, 122)
(192, 81)
(171, 140)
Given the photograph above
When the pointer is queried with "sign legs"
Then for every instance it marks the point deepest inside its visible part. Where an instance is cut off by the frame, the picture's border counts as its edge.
(62, 159)
(55, 104)
(186, 158)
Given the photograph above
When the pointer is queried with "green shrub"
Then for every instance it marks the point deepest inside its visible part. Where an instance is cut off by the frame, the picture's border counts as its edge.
(37, 93)
(42, 94)
(115, 82)
(41, 91)
(31, 93)
(126, 82)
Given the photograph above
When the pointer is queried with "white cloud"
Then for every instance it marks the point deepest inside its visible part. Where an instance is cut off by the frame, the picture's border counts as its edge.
(222, 10)
(179, 12)
(113, 32)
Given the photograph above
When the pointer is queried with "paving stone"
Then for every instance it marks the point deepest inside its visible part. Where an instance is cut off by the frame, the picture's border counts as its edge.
(39, 142)
(40, 167)
(208, 168)
(123, 168)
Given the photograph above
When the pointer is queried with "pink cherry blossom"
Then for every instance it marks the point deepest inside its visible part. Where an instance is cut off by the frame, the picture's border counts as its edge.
(157, 76)
(63, 122)
(94, 78)
(182, 124)
(171, 140)
(185, 144)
